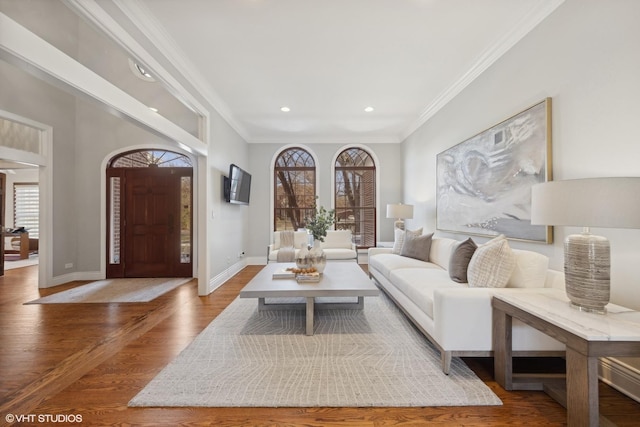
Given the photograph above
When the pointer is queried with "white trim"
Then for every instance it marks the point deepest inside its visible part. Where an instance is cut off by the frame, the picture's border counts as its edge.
(44, 162)
(221, 278)
(372, 153)
(519, 29)
(155, 32)
(23, 48)
(98, 17)
(394, 139)
(273, 169)
(621, 376)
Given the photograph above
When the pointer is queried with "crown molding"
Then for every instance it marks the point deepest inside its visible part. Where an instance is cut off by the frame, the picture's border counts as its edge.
(327, 140)
(103, 21)
(155, 32)
(520, 29)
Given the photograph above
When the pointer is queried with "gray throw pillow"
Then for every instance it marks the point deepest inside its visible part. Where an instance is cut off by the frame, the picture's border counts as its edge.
(417, 247)
(399, 238)
(459, 260)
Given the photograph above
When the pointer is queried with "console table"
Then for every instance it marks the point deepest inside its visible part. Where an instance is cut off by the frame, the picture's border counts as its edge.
(587, 337)
(23, 238)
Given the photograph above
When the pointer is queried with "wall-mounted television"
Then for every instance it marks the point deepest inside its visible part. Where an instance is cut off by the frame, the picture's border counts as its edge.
(237, 187)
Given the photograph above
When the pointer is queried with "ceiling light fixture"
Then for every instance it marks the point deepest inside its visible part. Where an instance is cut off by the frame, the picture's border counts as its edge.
(285, 109)
(154, 109)
(368, 109)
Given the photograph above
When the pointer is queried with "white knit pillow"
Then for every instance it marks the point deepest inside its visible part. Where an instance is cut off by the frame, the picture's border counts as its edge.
(491, 264)
(398, 241)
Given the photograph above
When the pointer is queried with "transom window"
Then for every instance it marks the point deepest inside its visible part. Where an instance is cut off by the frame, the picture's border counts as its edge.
(295, 188)
(355, 195)
(150, 158)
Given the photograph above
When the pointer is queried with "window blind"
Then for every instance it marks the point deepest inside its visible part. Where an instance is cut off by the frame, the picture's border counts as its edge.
(26, 201)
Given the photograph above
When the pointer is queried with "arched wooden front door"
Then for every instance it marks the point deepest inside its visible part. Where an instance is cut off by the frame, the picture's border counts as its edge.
(149, 213)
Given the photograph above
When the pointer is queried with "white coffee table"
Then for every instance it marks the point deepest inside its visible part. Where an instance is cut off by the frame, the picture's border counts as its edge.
(340, 279)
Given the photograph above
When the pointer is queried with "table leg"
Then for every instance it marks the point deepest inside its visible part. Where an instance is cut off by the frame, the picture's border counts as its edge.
(582, 389)
(310, 304)
(502, 349)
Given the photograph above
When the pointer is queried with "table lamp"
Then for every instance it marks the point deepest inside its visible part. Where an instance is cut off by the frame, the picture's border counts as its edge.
(400, 212)
(589, 202)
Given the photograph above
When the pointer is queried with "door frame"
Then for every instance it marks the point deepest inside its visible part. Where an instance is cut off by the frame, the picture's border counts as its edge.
(44, 162)
(103, 201)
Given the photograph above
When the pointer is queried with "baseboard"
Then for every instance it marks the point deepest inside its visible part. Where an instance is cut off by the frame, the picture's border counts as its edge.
(77, 275)
(621, 376)
(218, 280)
(257, 260)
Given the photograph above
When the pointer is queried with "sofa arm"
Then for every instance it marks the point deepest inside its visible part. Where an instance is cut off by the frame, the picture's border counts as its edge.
(463, 318)
(375, 251)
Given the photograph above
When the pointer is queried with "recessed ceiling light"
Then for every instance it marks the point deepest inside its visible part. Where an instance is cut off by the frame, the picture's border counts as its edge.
(285, 109)
(368, 109)
(154, 109)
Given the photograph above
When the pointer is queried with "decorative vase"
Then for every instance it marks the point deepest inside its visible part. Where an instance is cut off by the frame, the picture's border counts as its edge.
(303, 260)
(317, 256)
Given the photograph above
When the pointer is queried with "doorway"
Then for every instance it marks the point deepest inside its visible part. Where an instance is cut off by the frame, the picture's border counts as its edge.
(149, 215)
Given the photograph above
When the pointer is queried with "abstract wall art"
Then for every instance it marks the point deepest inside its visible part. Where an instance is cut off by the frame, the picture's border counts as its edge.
(484, 183)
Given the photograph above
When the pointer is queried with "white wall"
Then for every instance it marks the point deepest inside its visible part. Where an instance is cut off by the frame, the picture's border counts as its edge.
(584, 56)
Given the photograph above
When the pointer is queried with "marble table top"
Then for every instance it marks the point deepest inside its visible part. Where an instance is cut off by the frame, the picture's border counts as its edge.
(552, 305)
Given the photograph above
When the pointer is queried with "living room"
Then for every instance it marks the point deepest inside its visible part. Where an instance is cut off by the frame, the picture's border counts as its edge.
(583, 56)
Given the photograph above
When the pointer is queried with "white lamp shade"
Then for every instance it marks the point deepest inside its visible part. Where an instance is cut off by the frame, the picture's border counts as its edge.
(589, 202)
(400, 211)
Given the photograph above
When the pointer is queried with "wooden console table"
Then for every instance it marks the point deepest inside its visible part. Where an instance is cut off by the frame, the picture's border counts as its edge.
(24, 244)
(587, 337)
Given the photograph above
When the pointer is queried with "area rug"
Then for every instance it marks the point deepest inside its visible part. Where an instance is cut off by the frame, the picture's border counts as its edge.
(373, 357)
(115, 290)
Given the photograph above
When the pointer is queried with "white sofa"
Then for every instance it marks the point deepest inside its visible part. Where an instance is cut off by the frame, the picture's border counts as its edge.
(455, 317)
(337, 245)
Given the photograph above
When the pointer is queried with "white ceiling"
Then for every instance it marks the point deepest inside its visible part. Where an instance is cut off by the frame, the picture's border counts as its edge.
(329, 59)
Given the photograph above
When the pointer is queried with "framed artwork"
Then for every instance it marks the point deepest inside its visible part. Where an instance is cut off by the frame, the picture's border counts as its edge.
(484, 183)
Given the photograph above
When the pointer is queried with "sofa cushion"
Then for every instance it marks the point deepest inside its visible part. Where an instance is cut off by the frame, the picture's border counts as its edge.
(459, 260)
(441, 251)
(418, 284)
(386, 263)
(417, 247)
(337, 239)
(530, 270)
(491, 265)
(339, 253)
(399, 238)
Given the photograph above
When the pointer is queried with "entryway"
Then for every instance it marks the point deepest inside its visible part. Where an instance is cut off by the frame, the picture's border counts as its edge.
(149, 215)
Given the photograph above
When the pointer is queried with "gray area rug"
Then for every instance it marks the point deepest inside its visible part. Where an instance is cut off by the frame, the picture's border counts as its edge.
(373, 357)
(115, 290)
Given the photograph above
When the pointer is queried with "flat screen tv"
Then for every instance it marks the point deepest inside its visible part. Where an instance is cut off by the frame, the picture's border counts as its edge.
(237, 186)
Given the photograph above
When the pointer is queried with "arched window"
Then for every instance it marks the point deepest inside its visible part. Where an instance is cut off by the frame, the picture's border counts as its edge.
(150, 158)
(295, 188)
(355, 195)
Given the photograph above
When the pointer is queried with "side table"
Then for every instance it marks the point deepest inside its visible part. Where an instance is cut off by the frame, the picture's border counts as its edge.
(587, 337)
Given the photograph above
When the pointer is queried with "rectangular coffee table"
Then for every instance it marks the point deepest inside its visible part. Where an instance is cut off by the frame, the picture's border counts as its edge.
(340, 279)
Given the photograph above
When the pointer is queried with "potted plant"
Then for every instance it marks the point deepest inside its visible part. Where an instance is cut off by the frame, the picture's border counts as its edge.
(320, 223)
(317, 226)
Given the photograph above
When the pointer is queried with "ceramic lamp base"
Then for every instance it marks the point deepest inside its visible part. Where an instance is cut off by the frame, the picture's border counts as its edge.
(587, 265)
(399, 224)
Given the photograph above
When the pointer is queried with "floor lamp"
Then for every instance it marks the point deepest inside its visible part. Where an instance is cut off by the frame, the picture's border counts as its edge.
(401, 212)
(589, 202)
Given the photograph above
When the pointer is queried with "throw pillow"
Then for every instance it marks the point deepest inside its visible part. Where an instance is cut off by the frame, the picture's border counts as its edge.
(530, 270)
(399, 239)
(459, 261)
(491, 265)
(417, 247)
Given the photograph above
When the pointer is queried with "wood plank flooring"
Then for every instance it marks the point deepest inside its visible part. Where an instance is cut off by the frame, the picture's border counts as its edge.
(89, 360)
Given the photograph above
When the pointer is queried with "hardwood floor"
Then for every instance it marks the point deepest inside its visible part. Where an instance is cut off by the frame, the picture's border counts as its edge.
(89, 360)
